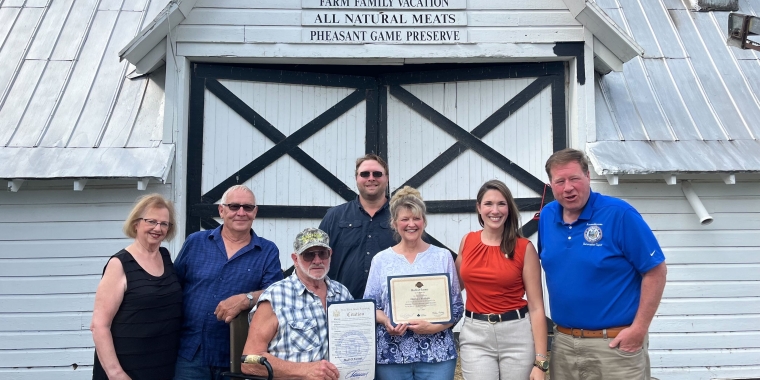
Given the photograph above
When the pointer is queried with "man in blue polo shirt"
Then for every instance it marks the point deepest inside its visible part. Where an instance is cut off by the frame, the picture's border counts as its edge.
(605, 273)
(360, 228)
(222, 272)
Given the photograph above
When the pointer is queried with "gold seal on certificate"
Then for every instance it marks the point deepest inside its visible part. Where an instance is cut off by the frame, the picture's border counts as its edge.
(351, 338)
(424, 297)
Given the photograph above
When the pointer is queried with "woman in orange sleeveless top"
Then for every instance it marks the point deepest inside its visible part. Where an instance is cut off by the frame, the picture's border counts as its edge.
(503, 335)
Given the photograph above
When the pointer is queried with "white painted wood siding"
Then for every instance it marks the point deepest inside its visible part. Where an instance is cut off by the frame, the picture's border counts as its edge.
(235, 28)
(230, 142)
(708, 323)
(54, 243)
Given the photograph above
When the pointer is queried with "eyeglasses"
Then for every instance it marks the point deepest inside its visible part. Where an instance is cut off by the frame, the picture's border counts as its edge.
(376, 174)
(236, 206)
(152, 223)
(308, 256)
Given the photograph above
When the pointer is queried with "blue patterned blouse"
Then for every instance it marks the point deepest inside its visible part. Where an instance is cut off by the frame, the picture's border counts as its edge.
(412, 347)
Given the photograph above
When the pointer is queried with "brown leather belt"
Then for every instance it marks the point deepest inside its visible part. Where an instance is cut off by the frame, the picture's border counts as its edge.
(581, 333)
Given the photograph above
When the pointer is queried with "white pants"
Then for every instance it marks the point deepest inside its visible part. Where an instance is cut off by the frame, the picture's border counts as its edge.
(498, 351)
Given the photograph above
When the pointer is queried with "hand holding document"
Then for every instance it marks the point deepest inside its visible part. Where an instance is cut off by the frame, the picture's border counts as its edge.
(351, 338)
(420, 297)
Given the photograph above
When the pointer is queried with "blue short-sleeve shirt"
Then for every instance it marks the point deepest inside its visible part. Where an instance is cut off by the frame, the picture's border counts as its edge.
(594, 266)
(208, 277)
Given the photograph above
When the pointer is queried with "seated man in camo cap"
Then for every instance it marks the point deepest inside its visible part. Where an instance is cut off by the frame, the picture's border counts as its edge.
(289, 323)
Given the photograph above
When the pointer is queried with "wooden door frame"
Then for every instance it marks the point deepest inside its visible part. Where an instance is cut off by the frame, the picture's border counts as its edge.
(373, 87)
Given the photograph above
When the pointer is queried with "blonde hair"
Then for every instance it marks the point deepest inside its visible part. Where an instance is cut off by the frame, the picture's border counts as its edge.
(145, 203)
(410, 199)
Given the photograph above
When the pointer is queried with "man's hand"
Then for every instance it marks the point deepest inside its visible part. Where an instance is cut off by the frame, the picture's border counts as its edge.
(228, 309)
(630, 339)
(321, 370)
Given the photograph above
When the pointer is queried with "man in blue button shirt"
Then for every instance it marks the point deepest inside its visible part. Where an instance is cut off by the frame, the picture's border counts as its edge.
(222, 272)
(359, 229)
(605, 273)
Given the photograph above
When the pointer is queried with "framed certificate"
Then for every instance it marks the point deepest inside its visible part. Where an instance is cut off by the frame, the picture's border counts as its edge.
(420, 297)
(351, 338)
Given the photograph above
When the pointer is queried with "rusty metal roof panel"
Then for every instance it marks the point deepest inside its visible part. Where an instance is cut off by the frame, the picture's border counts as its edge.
(62, 86)
(695, 98)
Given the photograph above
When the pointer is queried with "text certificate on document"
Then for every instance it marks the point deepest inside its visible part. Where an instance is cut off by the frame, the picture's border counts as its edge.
(351, 338)
(424, 297)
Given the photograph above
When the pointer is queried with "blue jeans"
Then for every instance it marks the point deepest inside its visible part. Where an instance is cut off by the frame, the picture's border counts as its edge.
(416, 371)
(196, 369)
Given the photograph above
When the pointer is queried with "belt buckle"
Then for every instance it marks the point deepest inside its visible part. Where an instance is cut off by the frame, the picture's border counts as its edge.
(493, 322)
(580, 332)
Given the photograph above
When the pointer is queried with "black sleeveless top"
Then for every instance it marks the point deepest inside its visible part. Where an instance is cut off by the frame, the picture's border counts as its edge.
(146, 327)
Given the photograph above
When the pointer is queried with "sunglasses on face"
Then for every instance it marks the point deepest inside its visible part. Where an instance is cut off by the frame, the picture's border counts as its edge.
(308, 256)
(376, 174)
(236, 206)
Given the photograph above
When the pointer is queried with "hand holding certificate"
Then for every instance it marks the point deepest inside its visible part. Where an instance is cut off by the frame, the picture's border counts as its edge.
(424, 297)
(351, 338)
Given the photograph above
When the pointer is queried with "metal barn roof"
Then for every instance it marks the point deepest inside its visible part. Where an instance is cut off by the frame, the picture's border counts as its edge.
(67, 109)
(688, 105)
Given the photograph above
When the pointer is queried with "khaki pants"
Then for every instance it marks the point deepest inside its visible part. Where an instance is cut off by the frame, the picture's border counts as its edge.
(592, 359)
(502, 350)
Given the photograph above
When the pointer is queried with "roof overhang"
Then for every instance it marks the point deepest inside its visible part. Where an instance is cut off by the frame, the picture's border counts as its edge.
(87, 163)
(674, 157)
(612, 45)
(147, 51)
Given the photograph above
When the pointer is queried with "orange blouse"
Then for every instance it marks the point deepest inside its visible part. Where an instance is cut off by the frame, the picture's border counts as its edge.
(494, 283)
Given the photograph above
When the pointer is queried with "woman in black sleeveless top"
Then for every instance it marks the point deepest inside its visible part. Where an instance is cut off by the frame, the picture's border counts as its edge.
(138, 305)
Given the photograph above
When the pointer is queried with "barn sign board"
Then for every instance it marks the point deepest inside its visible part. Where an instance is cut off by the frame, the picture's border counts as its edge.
(384, 21)
(385, 4)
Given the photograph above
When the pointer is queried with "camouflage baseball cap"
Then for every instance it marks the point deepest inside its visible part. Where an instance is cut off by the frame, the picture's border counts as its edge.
(311, 237)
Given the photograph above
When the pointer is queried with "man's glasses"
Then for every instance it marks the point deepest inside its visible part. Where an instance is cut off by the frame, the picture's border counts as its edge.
(376, 174)
(152, 223)
(308, 256)
(236, 206)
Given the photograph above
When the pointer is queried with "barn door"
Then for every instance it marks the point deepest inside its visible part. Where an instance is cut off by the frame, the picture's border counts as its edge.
(293, 137)
(449, 131)
(289, 136)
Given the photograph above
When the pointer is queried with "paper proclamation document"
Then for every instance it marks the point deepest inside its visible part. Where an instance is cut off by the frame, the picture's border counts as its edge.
(351, 338)
(424, 297)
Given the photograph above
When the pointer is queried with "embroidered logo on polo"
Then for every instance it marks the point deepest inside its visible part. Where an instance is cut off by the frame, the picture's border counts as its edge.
(593, 233)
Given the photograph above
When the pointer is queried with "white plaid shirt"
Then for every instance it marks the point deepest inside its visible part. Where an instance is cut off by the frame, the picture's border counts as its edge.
(302, 332)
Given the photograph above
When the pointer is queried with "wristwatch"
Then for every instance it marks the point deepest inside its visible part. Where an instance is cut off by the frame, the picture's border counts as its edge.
(543, 365)
(250, 299)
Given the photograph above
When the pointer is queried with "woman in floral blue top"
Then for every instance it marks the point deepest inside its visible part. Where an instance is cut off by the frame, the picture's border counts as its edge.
(418, 350)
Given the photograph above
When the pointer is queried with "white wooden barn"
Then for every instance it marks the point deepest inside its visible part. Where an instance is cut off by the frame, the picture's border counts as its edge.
(102, 101)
